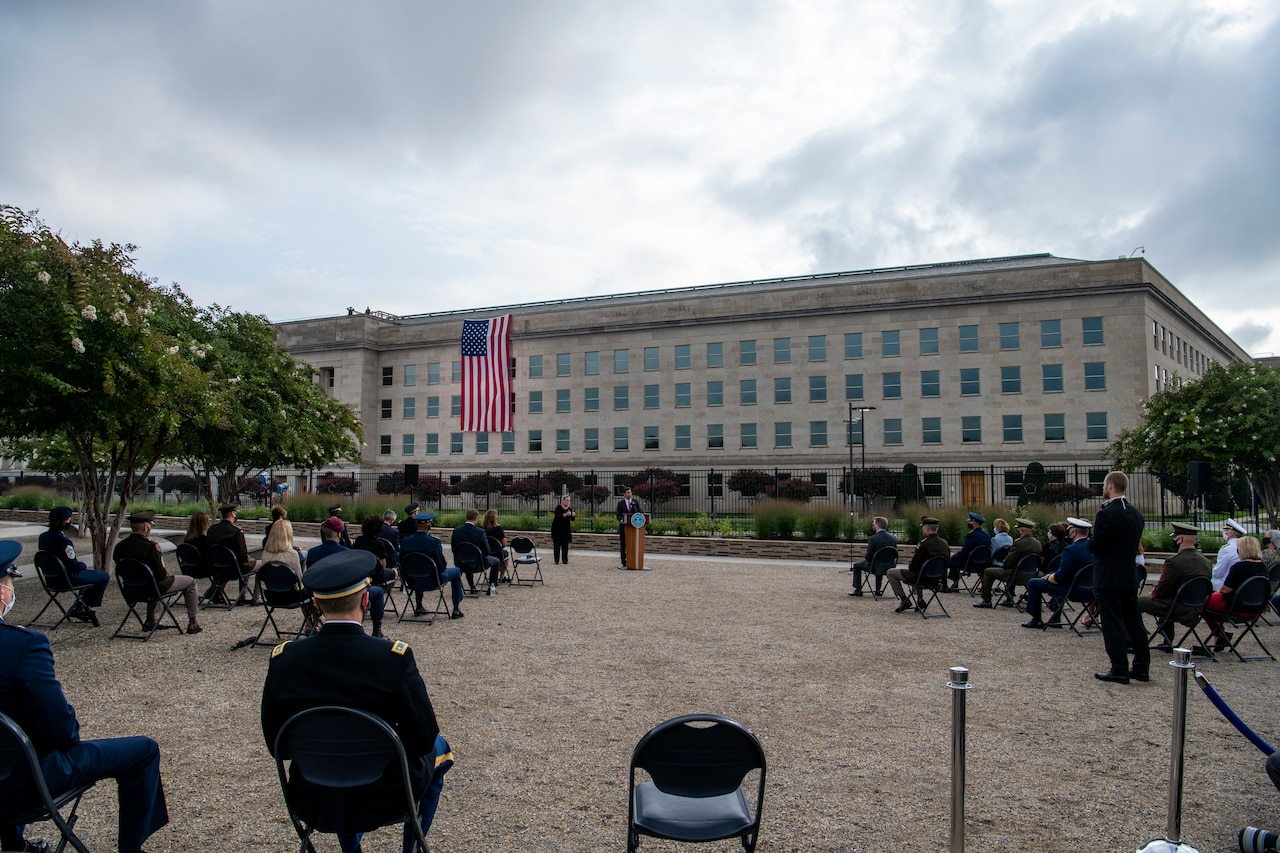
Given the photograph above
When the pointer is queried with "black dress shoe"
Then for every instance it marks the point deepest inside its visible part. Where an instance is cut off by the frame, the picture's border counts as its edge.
(1223, 642)
(457, 614)
(1139, 676)
(905, 605)
(1033, 623)
(1112, 677)
(983, 605)
(857, 592)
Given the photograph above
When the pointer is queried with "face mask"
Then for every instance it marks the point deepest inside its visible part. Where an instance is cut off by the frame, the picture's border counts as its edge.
(13, 597)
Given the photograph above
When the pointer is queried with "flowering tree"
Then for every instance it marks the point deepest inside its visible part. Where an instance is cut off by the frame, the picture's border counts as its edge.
(88, 358)
(1228, 417)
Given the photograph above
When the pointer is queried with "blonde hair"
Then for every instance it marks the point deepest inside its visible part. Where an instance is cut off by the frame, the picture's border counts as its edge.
(279, 537)
(1249, 549)
(490, 519)
(1000, 525)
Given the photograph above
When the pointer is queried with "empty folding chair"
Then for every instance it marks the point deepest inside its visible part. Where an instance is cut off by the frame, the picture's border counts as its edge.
(696, 765)
(930, 578)
(421, 574)
(56, 581)
(526, 554)
(18, 756)
(138, 587)
(282, 590)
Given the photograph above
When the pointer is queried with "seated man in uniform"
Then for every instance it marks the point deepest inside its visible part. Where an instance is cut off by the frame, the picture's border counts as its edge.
(932, 545)
(227, 534)
(882, 538)
(341, 665)
(422, 541)
(1186, 564)
(137, 546)
(976, 537)
(1074, 558)
(31, 695)
(55, 541)
(331, 531)
(1025, 545)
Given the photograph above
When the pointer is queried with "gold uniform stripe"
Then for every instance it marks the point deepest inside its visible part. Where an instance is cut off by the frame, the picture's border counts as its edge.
(399, 647)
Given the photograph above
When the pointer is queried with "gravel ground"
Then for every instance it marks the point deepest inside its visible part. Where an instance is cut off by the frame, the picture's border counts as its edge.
(544, 692)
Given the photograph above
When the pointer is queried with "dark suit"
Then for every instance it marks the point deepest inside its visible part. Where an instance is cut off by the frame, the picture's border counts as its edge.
(973, 539)
(471, 533)
(392, 537)
(1117, 530)
(1182, 566)
(624, 512)
(341, 665)
(57, 543)
(879, 539)
(31, 695)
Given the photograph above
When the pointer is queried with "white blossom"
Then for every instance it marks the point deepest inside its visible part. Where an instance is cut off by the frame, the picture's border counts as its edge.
(77, 345)
(120, 317)
(234, 380)
(126, 297)
(89, 312)
(173, 350)
(42, 277)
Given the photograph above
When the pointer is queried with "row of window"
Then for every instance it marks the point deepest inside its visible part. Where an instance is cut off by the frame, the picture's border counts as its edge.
(1167, 343)
(1011, 432)
(890, 342)
(1051, 381)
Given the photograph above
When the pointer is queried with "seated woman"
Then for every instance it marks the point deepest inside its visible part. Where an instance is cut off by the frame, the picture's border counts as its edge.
(1250, 565)
(1001, 542)
(494, 531)
(198, 532)
(279, 548)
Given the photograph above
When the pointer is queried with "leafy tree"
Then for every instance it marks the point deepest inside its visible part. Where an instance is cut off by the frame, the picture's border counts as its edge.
(871, 484)
(655, 485)
(479, 484)
(793, 489)
(183, 483)
(593, 495)
(911, 489)
(561, 480)
(1228, 417)
(90, 357)
(528, 488)
(1033, 482)
(1064, 495)
(430, 488)
(329, 484)
(749, 482)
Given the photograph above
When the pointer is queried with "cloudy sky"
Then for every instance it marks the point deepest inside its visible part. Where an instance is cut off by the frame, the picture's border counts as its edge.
(295, 158)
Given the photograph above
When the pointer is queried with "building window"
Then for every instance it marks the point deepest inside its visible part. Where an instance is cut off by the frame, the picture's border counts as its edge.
(1095, 426)
(433, 443)
(782, 350)
(715, 393)
(929, 341)
(684, 395)
(1055, 427)
(1095, 376)
(715, 354)
(782, 390)
(591, 439)
(651, 396)
(746, 353)
(817, 433)
(388, 376)
(684, 437)
(535, 441)
(410, 407)
(782, 434)
(326, 377)
(932, 484)
(853, 432)
(651, 359)
(535, 367)
(508, 442)
(562, 441)
(482, 442)
(433, 373)
(930, 383)
(893, 430)
(1009, 336)
(455, 406)
(564, 363)
(817, 348)
(715, 486)
(1091, 327)
(971, 429)
(410, 374)
(969, 384)
(853, 345)
(968, 339)
(384, 445)
(746, 392)
(1050, 334)
(715, 436)
(1012, 428)
(853, 386)
(748, 432)
(591, 399)
(562, 401)
(1011, 380)
(621, 441)
(817, 389)
(456, 369)
(1051, 377)
(621, 398)
(890, 343)
(892, 386)
(684, 358)
(591, 365)
(433, 407)
(535, 402)
(621, 361)
(384, 409)
(931, 429)
(1013, 480)
(455, 442)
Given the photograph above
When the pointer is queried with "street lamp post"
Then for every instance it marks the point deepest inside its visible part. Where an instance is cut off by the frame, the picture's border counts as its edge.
(849, 423)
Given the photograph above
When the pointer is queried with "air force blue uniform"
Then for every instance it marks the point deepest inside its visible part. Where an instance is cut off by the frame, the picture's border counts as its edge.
(57, 543)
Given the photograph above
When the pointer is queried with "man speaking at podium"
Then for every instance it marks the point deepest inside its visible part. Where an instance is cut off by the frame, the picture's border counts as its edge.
(626, 506)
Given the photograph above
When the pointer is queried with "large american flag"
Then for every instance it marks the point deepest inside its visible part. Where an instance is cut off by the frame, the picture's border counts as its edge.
(486, 376)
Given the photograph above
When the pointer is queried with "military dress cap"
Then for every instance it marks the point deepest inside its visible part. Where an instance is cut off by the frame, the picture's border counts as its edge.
(975, 517)
(1235, 525)
(334, 523)
(142, 516)
(9, 551)
(929, 519)
(1079, 523)
(1025, 522)
(228, 507)
(340, 574)
(335, 508)
(410, 509)
(60, 513)
(424, 516)
(1181, 528)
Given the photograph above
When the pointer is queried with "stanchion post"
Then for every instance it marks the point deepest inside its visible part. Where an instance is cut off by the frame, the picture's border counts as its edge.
(1172, 842)
(959, 684)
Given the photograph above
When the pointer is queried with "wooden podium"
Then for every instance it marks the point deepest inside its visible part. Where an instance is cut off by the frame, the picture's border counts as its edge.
(634, 540)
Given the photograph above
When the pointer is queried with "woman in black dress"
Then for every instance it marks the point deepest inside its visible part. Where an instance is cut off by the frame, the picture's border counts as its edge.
(561, 532)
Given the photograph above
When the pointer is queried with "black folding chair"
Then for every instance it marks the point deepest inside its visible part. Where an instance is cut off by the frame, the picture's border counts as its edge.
(1080, 591)
(468, 557)
(974, 565)
(194, 564)
(421, 574)
(338, 750)
(525, 553)
(138, 586)
(281, 590)
(696, 766)
(878, 566)
(1192, 593)
(18, 755)
(503, 555)
(1244, 609)
(225, 568)
(1026, 569)
(56, 581)
(931, 577)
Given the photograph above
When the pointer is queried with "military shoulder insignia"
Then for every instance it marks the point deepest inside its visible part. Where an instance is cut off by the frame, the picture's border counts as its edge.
(399, 647)
(279, 650)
